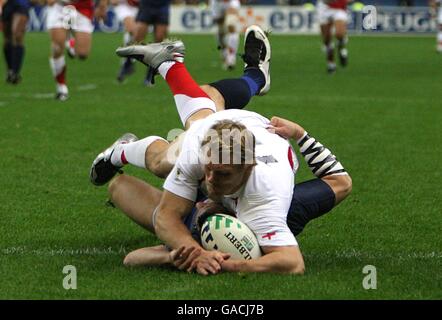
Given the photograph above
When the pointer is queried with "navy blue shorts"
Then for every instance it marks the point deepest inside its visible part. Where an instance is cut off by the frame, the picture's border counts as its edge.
(311, 199)
(153, 15)
(15, 7)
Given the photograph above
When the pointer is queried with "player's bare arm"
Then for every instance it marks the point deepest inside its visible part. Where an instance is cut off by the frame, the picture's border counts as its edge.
(287, 259)
(341, 184)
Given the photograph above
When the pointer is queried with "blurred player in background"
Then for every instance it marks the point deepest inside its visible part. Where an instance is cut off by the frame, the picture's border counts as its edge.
(154, 13)
(14, 16)
(333, 14)
(63, 17)
(226, 15)
(126, 11)
(436, 12)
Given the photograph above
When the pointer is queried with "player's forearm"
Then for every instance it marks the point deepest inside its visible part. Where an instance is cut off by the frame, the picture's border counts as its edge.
(277, 262)
(170, 229)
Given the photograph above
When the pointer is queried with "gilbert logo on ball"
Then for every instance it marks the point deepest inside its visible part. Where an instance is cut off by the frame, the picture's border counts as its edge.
(229, 235)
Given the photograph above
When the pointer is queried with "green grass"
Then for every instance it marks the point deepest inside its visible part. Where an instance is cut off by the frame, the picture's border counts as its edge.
(382, 116)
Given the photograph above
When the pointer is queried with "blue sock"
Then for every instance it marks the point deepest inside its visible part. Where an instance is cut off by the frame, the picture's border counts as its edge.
(18, 53)
(255, 80)
(7, 50)
(238, 92)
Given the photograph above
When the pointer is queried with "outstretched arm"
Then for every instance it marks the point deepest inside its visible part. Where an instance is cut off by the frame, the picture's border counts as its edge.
(331, 171)
(275, 259)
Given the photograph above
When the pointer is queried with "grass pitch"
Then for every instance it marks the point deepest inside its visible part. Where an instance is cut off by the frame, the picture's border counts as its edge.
(381, 116)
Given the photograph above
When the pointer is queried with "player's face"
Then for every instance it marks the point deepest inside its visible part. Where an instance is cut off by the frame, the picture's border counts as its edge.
(224, 179)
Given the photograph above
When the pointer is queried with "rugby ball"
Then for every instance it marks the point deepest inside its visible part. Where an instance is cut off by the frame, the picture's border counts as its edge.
(229, 235)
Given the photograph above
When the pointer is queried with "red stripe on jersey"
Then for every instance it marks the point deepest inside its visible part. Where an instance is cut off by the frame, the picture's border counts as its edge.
(133, 3)
(85, 7)
(181, 82)
(290, 157)
(338, 4)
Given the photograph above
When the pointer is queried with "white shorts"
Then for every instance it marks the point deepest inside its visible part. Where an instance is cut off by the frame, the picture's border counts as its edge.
(219, 7)
(123, 11)
(67, 17)
(327, 14)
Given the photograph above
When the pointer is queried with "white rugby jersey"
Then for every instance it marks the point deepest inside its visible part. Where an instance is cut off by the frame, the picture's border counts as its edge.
(263, 202)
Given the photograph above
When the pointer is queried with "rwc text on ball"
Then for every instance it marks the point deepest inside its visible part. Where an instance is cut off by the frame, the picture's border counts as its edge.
(226, 309)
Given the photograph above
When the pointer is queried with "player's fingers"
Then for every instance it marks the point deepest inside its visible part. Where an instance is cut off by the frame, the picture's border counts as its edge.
(202, 271)
(174, 254)
(186, 258)
(214, 266)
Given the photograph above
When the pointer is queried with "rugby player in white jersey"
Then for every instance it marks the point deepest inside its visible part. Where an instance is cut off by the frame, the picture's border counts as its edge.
(332, 14)
(63, 17)
(436, 12)
(225, 14)
(258, 188)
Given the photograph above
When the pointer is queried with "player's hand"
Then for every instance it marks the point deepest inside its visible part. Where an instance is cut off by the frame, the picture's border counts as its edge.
(208, 262)
(183, 257)
(285, 128)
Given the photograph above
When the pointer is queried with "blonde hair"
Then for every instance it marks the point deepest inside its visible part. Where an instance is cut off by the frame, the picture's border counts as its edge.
(229, 142)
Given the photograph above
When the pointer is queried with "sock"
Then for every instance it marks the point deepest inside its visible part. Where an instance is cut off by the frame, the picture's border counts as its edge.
(127, 38)
(58, 67)
(220, 40)
(189, 97)
(342, 47)
(70, 43)
(255, 80)
(238, 92)
(133, 153)
(329, 51)
(18, 53)
(7, 51)
(232, 42)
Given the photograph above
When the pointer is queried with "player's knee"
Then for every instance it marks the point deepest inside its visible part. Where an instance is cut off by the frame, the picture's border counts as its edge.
(115, 187)
(300, 269)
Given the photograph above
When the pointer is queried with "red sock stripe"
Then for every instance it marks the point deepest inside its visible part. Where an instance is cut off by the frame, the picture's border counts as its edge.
(61, 76)
(181, 82)
(123, 158)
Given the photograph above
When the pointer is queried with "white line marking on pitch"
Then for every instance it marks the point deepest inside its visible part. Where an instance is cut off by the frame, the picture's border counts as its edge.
(43, 96)
(86, 87)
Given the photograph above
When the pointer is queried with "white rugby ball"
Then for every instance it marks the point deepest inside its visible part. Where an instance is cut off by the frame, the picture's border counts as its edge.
(229, 235)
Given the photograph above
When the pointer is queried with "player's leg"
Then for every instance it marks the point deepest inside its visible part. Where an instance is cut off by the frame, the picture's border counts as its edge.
(57, 62)
(326, 33)
(232, 36)
(161, 23)
(126, 14)
(83, 44)
(341, 37)
(236, 93)
(136, 198)
(7, 43)
(160, 20)
(19, 22)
